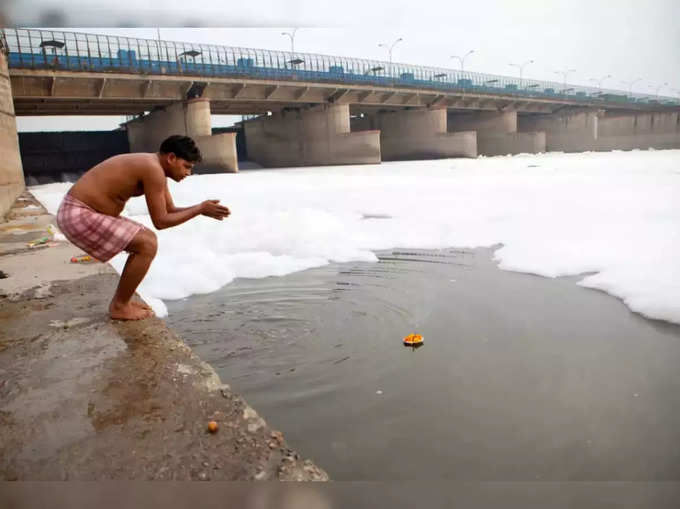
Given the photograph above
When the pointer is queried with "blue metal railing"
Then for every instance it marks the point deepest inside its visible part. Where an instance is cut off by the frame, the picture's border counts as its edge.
(50, 49)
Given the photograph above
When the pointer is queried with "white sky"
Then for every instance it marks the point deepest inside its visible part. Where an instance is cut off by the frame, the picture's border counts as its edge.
(556, 214)
(627, 39)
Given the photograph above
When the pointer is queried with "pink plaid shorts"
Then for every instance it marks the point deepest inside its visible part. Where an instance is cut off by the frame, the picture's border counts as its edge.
(97, 234)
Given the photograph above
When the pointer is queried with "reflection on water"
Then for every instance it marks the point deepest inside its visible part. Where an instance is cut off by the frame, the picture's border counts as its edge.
(520, 377)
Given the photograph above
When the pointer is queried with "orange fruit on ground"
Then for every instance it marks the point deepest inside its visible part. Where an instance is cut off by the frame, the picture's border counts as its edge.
(212, 426)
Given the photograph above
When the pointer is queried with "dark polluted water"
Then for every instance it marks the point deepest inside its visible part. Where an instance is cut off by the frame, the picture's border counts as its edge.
(520, 377)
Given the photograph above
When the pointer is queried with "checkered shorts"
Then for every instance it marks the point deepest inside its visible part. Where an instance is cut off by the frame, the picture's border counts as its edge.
(99, 235)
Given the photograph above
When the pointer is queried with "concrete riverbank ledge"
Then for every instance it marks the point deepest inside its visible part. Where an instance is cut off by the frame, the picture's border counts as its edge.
(83, 397)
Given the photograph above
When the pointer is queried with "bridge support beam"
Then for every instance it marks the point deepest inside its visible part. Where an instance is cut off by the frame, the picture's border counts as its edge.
(188, 118)
(418, 134)
(497, 132)
(309, 137)
(11, 170)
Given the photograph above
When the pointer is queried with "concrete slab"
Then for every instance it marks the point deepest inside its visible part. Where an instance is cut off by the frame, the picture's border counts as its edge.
(54, 263)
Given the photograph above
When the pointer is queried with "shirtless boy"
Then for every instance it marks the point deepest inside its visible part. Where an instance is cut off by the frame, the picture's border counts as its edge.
(89, 215)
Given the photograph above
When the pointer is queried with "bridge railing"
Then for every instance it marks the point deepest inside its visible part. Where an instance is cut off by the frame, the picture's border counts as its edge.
(40, 49)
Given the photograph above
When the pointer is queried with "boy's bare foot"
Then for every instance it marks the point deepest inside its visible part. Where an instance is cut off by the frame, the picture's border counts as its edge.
(128, 311)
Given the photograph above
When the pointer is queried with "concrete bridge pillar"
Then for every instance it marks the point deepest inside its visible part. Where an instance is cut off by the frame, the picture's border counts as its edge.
(598, 130)
(638, 130)
(309, 137)
(11, 171)
(497, 132)
(188, 118)
(571, 131)
(418, 134)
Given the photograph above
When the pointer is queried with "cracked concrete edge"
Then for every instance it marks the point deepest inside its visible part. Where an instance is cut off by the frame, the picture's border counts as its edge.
(289, 466)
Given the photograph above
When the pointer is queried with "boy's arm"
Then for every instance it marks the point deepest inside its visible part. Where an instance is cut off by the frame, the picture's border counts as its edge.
(169, 204)
(155, 192)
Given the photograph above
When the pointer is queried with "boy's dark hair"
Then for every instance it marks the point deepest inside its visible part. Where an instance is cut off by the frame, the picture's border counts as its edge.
(183, 147)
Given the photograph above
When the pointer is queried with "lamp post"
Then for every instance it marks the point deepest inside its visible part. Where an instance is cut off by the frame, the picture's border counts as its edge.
(292, 40)
(521, 69)
(158, 41)
(462, 59)
(390, 47)
(630, 84)
(659, 88)
(52, 45)
(599, 81)
(564, 74)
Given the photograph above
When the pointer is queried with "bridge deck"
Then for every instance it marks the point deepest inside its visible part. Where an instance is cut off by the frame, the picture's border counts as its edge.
(40, 59)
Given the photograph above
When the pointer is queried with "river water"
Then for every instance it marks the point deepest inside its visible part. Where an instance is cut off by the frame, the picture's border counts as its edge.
(520, 377)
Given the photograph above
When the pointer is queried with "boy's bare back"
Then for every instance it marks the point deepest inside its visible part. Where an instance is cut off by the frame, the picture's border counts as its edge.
(111, 183)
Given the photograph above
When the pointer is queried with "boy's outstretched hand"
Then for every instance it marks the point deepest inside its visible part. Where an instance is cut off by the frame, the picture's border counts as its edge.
(212, 208)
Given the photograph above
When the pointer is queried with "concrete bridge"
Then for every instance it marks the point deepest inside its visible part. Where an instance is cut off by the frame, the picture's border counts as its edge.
(316, 109)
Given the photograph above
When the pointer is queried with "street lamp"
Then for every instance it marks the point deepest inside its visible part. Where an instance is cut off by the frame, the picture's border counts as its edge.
(292, 40)
(599, 81)
(659, 88)
(158, 41)
(390, 47)
(52, 45)
(462, 59)
(190, 53)
(630, 84)
(521, 69)
(564, 76)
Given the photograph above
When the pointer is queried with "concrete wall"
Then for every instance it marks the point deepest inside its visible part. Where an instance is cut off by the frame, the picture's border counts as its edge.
(497, 132)
(64, 156)
(241, 152)
(145, 134)
(638, 130)
(309, 137)
(638, 141)
(499, 144)
(483, 122)
(574, 122)
(582, 131)
(418, 134)
(641, 123)
(188, 118)
(568, 132)
(219, 153)
(11, 172)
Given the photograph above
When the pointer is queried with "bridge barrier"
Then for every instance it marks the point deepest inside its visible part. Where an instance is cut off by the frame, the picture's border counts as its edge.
(76, 51)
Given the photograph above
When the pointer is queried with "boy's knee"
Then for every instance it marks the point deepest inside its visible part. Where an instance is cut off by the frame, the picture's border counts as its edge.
(151, 243)
(148, 243)
(144, 243)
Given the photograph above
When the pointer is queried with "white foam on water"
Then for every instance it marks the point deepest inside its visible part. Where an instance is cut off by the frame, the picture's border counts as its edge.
(615, 214)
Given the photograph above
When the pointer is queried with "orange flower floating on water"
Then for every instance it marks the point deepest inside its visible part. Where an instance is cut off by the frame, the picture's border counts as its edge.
(413, 340)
